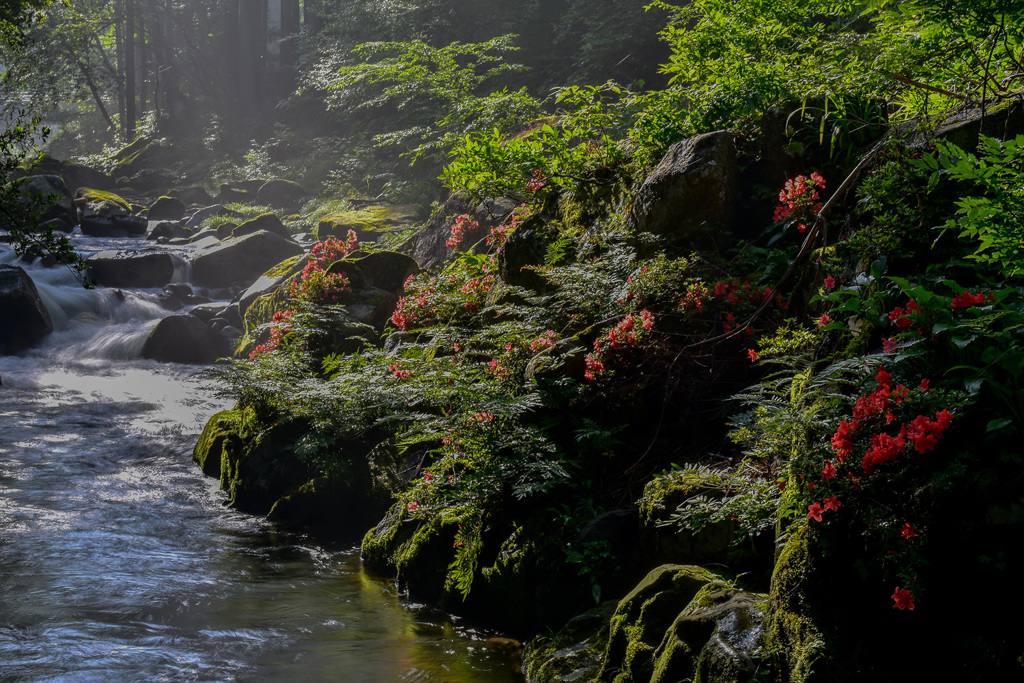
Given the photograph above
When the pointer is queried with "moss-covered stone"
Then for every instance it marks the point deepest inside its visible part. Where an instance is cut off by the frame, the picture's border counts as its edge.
(369, 223)
(265, 221)
(574, 652)
(223, 433)
(101, 202)
(416, 550)
(790, 628)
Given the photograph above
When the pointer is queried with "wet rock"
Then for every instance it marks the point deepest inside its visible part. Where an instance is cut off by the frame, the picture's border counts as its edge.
(225, 230)
(428, 246)
(166, 209)
(131, 268)
(240, 260)
(267, 221)
(376, 281)
(176, 296)
(184, 339)
(691, 192)
(114, 225)
(280, 193)
(684, 623)
(169, 230)
(23, 318)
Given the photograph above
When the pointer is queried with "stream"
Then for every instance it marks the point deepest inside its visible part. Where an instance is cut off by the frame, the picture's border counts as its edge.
(118, 560)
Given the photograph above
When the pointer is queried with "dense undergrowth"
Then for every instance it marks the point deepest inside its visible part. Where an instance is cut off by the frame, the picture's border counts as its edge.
(835, 377)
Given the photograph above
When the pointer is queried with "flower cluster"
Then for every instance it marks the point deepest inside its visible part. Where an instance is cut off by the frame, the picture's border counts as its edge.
(967, 300)
(875, 410)
(629, 332)
(544, 341)
(799, 200)
(463, 226)
(537, 182)
(277, 334)
(500, 233)
(315, 284)
(399, 373)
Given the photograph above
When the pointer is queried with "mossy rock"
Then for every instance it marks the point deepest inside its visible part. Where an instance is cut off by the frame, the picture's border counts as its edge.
(166, 209)
(574, 652)
(642, 618)
(222, 434)
(790, 627)
(264, 469)
(368, 223)
(415, 550)
(102, 202)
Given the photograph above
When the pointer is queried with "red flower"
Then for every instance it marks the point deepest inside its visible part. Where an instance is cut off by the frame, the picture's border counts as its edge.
(413, 506)
(829, 472)
(924, 385)
(907, 530)
(752, 355)
(889, 345)
(831, 503)
(902, 599)
(830, 282)
(814, 511)
(823, 320)
(967, 300)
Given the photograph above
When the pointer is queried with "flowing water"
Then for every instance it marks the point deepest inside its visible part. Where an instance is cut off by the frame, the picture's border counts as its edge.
(118, 561)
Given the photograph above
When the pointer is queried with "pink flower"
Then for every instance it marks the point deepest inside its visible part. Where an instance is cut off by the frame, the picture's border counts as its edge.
(823, 320)
(830, 282)
(413, 506)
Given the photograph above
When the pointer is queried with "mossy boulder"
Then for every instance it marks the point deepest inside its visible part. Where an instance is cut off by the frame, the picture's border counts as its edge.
(143, 164)
(416, 550)
(683, 622)
(52, 190)
(222, 437)
(241, 260)
(369, 223)
(102, 203)
(791, 627)
(573, 653)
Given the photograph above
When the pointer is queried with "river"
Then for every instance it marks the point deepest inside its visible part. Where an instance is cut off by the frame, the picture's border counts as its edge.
(118, 560)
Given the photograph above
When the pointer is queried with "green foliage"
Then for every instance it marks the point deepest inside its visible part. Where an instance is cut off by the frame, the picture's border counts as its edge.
(439, 91)
(993, 216)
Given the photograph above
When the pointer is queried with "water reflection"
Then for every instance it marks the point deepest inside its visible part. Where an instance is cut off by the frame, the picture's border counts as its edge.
(119, 563)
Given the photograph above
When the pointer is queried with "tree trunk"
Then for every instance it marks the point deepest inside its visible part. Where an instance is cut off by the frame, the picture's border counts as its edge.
(290, 24)
(129, 71)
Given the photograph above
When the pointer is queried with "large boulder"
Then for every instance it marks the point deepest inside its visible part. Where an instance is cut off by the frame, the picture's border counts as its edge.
(77, 175)
(283, 193)
(169, 230)
(691, 192)
(23, 318)
(51, 190)
(376, 281)
(267, 221)
(240, 260)
(131, 268)
(166, 209)
(123, 225)
(242, 191)
(184, 339)
(191, 196)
